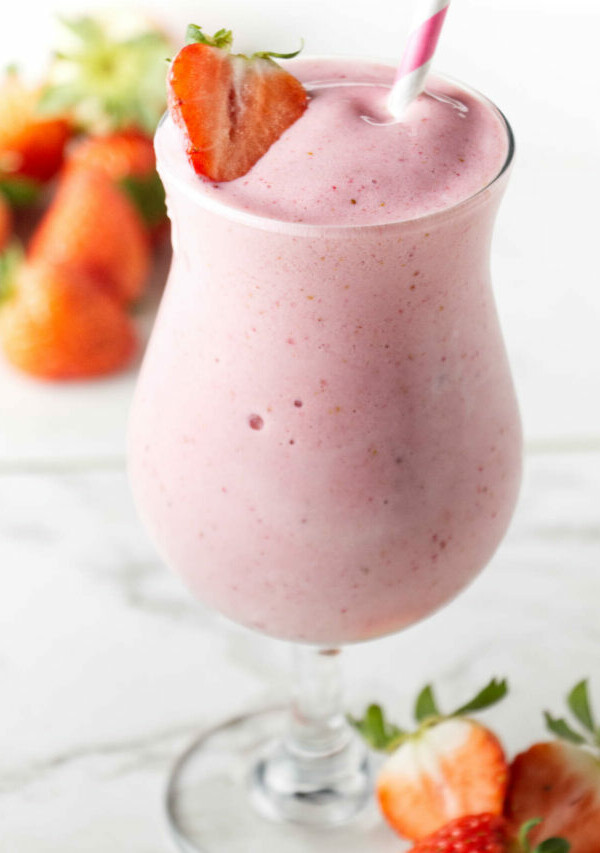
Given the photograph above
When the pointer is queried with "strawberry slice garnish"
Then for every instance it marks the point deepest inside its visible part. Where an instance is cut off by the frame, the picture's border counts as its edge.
(451, 766)
(560, 780)
(231, 107)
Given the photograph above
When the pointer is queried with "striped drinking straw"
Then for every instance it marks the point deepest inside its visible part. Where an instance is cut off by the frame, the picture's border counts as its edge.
(416, 59)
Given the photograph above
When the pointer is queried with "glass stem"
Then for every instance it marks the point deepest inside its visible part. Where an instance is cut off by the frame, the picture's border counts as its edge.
(318, 773)
(318, 723)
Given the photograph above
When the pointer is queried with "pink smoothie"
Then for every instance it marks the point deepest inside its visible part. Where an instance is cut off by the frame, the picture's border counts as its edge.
(325, 441)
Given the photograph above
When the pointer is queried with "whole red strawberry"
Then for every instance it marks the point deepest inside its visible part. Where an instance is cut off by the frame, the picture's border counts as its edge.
(93, 227)
(57, 323)
(483, 833)
(118, 155)
(560, 781)
(31, 144)
(127, 159)
(231, 107)
(486, 833)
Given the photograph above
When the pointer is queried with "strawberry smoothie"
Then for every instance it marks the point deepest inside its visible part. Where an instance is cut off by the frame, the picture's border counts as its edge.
(325, 442)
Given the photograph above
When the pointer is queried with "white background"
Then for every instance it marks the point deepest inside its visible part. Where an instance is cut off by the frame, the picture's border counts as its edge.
(536, 60)
(107, 665)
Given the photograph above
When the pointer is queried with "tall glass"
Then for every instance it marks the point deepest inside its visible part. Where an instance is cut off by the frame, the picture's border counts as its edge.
(325, 444)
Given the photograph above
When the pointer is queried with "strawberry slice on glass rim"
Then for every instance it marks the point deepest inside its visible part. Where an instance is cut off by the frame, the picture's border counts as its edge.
(230, 107)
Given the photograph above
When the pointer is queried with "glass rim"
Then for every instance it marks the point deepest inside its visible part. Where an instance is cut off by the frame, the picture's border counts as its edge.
(270, 223)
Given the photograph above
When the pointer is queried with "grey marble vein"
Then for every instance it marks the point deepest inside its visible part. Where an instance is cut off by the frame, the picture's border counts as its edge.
(108, 667)
(136, 753)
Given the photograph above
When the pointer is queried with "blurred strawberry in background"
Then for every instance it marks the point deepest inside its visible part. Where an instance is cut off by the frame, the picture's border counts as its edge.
(93, 227)
(32, 144)
(89, 125)
(58, 322)
(110, 74)
(127, 159)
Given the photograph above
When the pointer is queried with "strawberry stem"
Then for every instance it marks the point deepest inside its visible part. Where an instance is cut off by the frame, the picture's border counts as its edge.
(382, 735)
(579, 704)
(563, 730)
(491, 693)
(376, 730)
(148, 197)
(426, 706)
(553, 845)
(106, 81)
(221, 39)
(18, 190)
(10, 261)
(269, 54)
(550, 845)
(524, 832)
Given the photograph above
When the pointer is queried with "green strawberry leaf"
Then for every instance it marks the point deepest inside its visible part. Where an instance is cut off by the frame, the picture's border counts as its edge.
(19, 191)
(524, 831)
(562, 729)
(108, 82)
(426, 705)
(376, 730)
(270, 54)
(85, 28)
(382, 735)
(10, 260)
(579, 703)
(57, 99)
(553, 845)
(491, 693)
(148, 196)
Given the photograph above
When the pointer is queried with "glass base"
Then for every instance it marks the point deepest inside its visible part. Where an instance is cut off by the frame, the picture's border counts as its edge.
(231, 792)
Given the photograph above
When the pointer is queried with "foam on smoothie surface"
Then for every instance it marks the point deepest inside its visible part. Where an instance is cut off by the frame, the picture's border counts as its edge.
(346, 162)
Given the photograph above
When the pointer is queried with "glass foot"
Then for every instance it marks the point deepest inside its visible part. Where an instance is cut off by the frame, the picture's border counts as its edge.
(232, 792)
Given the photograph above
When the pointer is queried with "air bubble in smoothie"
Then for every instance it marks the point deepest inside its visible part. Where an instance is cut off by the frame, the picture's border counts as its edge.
(256, 422)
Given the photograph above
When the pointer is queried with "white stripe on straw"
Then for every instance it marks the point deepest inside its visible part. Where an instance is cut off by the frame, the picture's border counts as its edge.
(416, 59)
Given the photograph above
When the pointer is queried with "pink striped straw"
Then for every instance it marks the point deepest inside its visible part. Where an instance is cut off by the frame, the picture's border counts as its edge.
(416, 59)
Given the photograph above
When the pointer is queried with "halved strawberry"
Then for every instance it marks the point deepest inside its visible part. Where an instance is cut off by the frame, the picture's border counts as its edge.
(57, 323)
(485, 833)
(449, 767)
(560, 781)
(231, 107)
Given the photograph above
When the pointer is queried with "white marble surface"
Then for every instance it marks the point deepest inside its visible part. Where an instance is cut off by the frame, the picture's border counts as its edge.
(107, 667)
